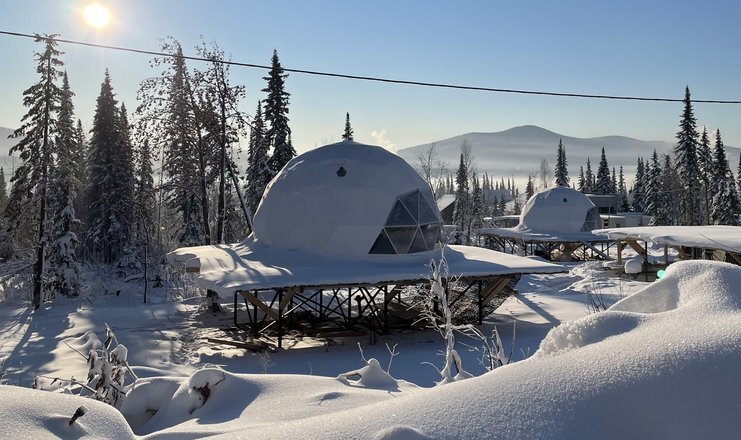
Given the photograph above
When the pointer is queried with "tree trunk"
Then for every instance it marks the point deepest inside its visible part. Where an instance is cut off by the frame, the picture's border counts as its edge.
(38, 268)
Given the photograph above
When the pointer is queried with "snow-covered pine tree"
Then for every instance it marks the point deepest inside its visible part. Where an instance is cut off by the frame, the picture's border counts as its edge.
(347, 135)
(614, 182)
(670, 188)
(604, 184)
(705, 164)
(580, 183)
(588, 187)
(477, 211)
(258, 168)
(623, 205)
(63, 272)
(462, 209)
(3, 190)
(110, 179)
(517, 206)
(725, 197)
(638, 188)
(276, 116)
(31, 178)
(144, 194)
(79, 163)
(562, 171)
(653, 196)
(687, 167)
(529, 188)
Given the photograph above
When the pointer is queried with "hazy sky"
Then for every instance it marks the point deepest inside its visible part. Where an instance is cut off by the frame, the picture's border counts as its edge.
(648, 48)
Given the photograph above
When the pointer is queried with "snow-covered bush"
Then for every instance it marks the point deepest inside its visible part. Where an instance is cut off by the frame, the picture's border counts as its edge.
(435, 297)
(107, 368)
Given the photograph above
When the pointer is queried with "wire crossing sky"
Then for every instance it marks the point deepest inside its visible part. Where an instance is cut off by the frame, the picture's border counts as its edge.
(365, 58)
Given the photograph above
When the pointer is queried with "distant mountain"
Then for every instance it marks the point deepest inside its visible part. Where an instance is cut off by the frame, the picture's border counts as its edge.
(518, 151)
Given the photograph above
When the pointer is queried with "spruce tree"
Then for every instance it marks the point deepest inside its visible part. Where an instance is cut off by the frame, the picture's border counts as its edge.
(258, 170)
(144, 194)
(561, 172)
(477, 213)
(604, 183)
(705, 164)
(461, 211)
(581, 181)
(638, 188)
(31, 178)
(725, 197)
(3, 190)
(276, 116)
(614, 182)
(687, 167)
(588, 186)
(347, 135)
(529, 188)
(64, 270)
(622, 192)
(653, 196)
(110, 179)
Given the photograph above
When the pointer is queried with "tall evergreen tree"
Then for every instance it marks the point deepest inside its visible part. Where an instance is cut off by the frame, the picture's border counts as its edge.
(588, 186)
(477, 212)
(347, 135)
(276, 116)
(461, 211)
(31, 178)
(144, 194)
(562, 171)
(580, 183)
(623, 205)
(63, 274)
(725, 197)
(110, 179)
(529, 188)
(3, 190)
(705, 164)
(604, 183)
(258, 171)
(614, 182)
(638, 188)
(687, 167)
(653, 194)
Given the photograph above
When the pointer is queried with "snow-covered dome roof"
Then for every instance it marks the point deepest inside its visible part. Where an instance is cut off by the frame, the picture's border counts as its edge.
(559, 209)
(348, 199)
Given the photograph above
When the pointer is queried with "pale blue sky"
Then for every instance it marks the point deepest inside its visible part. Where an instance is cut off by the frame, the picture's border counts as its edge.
(650, 48)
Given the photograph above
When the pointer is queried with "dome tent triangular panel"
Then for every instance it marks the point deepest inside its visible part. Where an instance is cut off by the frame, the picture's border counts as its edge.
(310, 206)
(559, 209)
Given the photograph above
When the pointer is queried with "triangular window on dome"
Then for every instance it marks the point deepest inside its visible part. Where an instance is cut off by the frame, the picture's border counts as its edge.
(426, 214)
(401, 237)
(400, 216)
(411, 202)
(418, 244)
(382, 245)
(431, 234)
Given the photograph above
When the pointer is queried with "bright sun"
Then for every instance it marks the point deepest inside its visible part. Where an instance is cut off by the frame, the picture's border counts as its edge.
(97, 15)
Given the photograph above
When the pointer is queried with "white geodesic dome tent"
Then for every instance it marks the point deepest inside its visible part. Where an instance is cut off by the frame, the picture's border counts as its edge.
(559, 210)
(348, 199)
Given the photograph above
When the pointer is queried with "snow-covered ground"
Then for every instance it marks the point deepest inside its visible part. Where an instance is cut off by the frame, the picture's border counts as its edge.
(661, 363)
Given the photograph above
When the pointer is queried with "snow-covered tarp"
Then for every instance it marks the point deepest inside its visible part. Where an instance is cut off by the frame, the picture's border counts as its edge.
(727, 238)
(251, 266)
(558, 214)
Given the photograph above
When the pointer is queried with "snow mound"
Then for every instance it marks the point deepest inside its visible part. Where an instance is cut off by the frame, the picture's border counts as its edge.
(662, 363)
(34, 414)
(400, 433)
(371, 376)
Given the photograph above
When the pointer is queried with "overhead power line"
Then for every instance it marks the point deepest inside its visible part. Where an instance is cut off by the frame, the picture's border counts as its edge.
(379, 79)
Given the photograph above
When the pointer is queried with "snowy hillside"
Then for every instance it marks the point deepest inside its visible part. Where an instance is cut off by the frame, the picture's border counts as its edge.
(5, 160)
(519, 150)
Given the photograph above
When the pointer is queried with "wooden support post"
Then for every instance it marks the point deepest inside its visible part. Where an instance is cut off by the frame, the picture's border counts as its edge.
(385, 310)
(280, 317)
(666, 255)
(619, 251)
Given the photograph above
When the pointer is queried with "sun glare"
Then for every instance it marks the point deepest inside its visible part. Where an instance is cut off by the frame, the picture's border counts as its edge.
(97, 15)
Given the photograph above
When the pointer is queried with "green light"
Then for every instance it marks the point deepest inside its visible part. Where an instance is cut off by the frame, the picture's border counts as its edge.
(660, 273)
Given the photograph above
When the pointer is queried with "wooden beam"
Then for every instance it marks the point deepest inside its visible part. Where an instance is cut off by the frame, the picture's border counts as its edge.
(636, 247)
(735, 257)
(259, 304)
(620, 252)
(286, 299)
(252, 346)
(492, 289)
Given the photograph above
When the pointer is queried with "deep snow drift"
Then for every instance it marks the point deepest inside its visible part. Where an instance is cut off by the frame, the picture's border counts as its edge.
(661, 363)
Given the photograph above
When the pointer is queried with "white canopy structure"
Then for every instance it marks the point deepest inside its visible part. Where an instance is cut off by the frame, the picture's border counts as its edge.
(717, 242)
(551, 219)
(342, 215)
